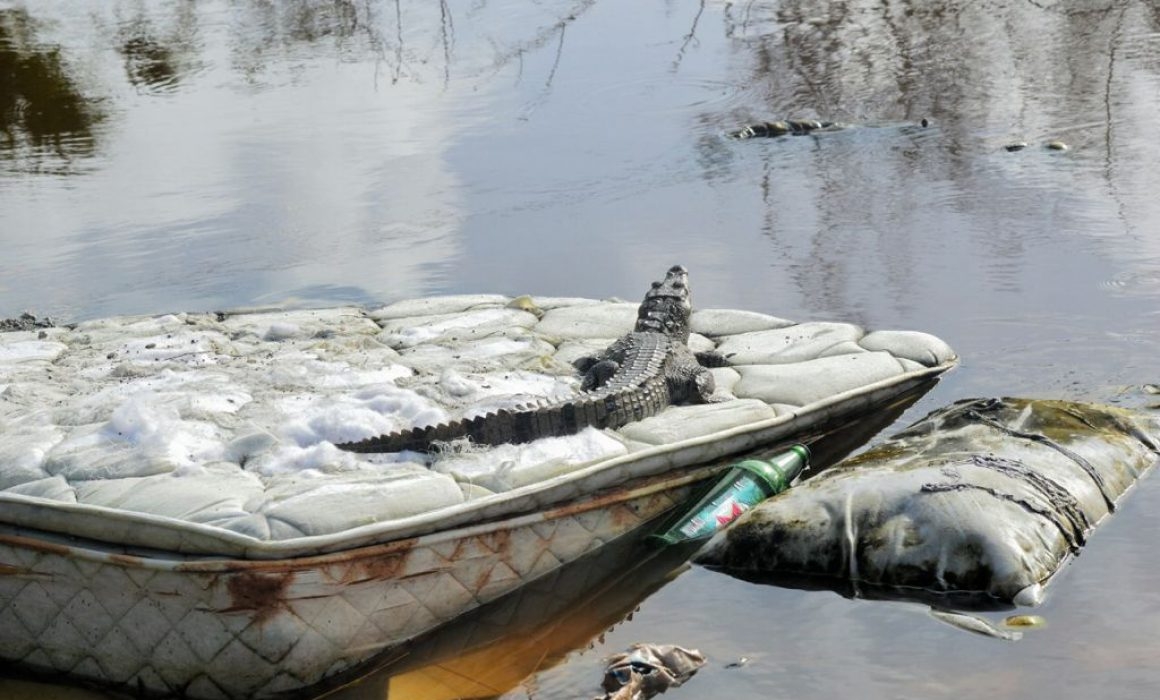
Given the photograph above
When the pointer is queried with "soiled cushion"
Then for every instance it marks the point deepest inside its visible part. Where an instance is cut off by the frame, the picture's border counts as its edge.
(986, 497)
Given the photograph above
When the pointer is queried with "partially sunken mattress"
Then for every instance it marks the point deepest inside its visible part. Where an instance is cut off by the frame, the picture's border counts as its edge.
(214, 433)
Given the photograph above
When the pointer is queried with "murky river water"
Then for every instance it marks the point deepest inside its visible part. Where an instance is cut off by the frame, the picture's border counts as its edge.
(188, 156)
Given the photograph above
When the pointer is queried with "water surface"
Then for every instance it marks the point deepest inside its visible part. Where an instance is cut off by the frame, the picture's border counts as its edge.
(161, 156)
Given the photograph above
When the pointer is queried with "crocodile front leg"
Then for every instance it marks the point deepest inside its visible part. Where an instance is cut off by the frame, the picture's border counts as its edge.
(706, 387)
(688, 381)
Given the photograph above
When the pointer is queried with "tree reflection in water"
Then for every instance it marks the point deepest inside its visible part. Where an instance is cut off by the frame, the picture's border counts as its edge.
(45, 110)
(984, 73)
(43, 113)
(156, 60)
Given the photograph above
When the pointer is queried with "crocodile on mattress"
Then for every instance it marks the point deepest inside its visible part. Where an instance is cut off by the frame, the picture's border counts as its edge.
(195, 453)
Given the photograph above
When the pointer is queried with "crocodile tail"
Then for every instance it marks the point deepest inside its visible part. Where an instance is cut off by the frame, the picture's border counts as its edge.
(418, 439)
(544, 419)
(488, 429)
(603, 409)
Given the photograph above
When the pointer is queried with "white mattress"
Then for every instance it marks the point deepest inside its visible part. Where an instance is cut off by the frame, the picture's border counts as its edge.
(215, 433)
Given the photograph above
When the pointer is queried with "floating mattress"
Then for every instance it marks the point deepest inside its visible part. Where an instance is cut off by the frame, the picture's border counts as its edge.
(978, 504)
(195, 454)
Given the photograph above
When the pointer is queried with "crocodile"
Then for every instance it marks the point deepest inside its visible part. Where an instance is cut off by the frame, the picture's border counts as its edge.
(804, 127)
(637, 376)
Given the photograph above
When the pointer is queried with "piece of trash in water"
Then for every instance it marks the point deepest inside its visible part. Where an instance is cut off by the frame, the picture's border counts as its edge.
(1151, 388)
(645, 670)
(741, 661)
(1017, 146)
(974, 623)
(794, 127)
(956, 504)
(745, 485)
(1057, 146)
(764, 129)
(1024, 621)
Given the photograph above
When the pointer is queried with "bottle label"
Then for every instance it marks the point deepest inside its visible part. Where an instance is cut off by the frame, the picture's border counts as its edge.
(742, 494)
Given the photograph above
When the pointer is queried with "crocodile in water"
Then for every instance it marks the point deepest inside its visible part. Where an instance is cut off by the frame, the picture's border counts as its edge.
(638, 375)
(805, 127)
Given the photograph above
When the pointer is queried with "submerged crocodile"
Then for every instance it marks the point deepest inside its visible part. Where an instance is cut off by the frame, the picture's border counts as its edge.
(634, 378)
(793, 127)
(802, 127)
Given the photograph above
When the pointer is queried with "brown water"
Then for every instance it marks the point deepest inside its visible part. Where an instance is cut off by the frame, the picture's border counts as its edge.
(178, 155)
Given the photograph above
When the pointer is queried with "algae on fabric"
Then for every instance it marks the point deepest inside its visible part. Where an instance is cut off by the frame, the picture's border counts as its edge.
(982, 500)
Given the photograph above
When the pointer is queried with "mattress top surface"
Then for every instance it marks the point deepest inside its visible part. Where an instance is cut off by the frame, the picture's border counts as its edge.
(228, 421)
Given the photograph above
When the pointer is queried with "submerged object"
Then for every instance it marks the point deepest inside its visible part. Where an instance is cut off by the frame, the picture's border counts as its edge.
(745, 485)
(1024, 621)
(806, 127)
(645, 670)
(981, 501)
(975, 624)
(793, 127)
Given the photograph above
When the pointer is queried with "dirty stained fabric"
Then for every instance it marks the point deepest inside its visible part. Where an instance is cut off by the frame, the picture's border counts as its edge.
(216, 432)
(646, 670)
(985, 498)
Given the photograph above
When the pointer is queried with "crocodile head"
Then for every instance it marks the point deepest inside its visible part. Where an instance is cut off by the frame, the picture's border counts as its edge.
(667, 306)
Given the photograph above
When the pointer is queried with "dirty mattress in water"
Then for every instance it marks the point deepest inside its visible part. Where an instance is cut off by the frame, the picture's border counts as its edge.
(176, 519)
(979, 503)
(215, 433)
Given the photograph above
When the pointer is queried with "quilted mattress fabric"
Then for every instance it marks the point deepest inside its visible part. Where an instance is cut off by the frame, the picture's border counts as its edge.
(229, 420)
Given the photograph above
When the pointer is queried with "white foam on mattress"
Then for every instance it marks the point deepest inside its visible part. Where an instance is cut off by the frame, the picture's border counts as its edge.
(230, 420)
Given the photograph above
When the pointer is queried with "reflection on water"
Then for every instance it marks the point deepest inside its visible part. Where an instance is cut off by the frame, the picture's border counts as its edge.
(492, 650)
(156, 59)
(43, 114)
(158, 156)
(975, 71)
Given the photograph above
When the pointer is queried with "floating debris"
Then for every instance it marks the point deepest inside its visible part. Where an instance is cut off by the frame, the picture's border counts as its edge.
(804, 126)
(740, 662)
(793, 127)
(1024, 621)
(646, 670)
(975, 623)
(1057, 146)
(764, 129)
(745, 484)
(984, 474)
(1017, 146)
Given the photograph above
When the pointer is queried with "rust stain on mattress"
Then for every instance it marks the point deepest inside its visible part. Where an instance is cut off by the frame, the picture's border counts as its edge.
(10, 570)
(498, 541)
(36, 544)
(264, 594)
(127, 561)
(376, 568)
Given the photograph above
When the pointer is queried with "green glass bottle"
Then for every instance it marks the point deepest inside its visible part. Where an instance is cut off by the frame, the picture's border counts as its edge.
(745, 485)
